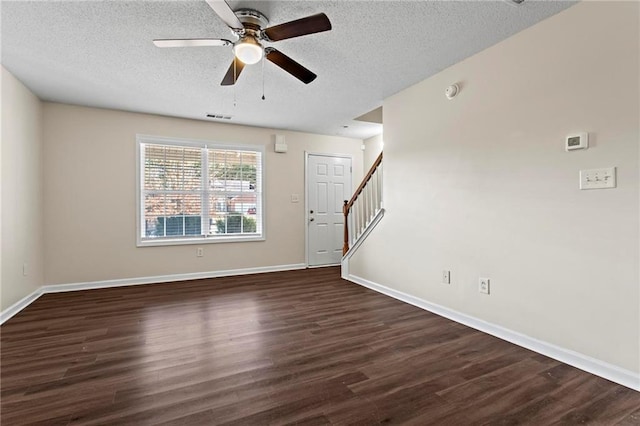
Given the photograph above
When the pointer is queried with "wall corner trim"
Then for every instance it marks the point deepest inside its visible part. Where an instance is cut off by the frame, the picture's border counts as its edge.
(591, 365)
(61, 288)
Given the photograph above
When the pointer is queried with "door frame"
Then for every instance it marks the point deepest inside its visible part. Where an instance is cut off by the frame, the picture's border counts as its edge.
(307, 154)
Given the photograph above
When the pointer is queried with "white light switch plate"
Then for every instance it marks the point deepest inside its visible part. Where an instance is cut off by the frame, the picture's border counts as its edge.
(598, 178)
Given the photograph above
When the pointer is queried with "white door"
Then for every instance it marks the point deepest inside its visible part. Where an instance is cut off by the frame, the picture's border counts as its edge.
(328, 185)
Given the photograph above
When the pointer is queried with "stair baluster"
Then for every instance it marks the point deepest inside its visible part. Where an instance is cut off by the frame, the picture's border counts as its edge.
(363, 206)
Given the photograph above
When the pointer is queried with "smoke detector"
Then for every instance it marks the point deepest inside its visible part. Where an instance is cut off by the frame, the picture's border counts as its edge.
(452, 91)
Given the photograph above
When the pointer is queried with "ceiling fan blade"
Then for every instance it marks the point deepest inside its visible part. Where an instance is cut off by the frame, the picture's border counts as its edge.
(226, 14)
(309, 25)
(289, 65)
(229, 78)
(192, 42)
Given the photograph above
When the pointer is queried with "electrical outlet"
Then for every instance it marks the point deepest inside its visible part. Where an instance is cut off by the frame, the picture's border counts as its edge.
(483, 285)
(25, 269)
(199, 252)
(446, 277)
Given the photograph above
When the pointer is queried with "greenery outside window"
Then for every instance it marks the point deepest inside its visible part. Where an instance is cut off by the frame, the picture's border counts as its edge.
(196, 191)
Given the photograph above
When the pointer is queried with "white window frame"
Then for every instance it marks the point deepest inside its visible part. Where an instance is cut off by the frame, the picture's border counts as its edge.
(204, 239)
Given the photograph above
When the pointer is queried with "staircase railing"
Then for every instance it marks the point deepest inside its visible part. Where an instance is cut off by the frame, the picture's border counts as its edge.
(363, 206)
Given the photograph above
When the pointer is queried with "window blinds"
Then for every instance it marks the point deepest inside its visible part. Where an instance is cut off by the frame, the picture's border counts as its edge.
(200, 191)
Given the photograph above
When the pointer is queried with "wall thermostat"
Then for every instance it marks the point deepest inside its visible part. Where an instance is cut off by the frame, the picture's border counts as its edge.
(577, 141)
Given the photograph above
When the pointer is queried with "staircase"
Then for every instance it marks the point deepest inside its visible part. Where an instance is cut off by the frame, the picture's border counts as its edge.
(364, 210)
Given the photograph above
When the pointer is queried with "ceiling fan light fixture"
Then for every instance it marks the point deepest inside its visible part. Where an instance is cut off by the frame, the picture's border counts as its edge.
(248, 50)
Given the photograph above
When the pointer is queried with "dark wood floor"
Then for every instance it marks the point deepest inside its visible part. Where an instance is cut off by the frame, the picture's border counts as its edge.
(300, 347)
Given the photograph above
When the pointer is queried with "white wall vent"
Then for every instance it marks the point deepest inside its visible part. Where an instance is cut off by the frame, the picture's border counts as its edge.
(219, 116)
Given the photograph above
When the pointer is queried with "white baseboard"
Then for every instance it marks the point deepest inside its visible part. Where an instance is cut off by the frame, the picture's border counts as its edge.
(19, 305)
(329, 265)
(603, 369)
(59, 288)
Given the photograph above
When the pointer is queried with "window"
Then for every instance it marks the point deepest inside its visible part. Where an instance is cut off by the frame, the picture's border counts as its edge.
(195, 192)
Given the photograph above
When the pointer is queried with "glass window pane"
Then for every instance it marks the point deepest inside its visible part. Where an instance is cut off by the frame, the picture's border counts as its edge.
(233, 170)
(172, 215)
(182, 215)
(153, 209)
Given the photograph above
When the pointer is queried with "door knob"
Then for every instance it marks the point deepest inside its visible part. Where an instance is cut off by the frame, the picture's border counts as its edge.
(311, 220)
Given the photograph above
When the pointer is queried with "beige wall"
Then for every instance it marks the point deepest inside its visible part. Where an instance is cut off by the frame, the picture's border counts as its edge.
(22, 198)
(90, 196)
(372, 148)
(482, 186)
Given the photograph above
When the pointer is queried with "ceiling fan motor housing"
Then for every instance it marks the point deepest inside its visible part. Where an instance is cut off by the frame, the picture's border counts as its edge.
(253, 20)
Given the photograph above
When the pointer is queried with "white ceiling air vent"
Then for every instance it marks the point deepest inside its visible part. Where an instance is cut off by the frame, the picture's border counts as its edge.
(219, 116)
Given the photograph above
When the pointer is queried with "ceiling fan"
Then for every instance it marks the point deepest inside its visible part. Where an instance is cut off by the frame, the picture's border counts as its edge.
(250, 26)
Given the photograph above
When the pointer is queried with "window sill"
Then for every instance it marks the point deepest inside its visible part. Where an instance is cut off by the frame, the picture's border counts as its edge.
(209, 240)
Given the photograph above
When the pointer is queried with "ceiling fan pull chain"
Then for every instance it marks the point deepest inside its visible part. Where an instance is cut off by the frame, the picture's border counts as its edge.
(234, 81)
(263, 98)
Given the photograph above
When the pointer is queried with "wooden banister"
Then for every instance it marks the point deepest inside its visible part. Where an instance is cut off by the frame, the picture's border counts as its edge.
(366, 179)
(346, 208)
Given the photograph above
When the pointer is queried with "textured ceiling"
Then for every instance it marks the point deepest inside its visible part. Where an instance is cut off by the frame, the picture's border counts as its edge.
(100, 54)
